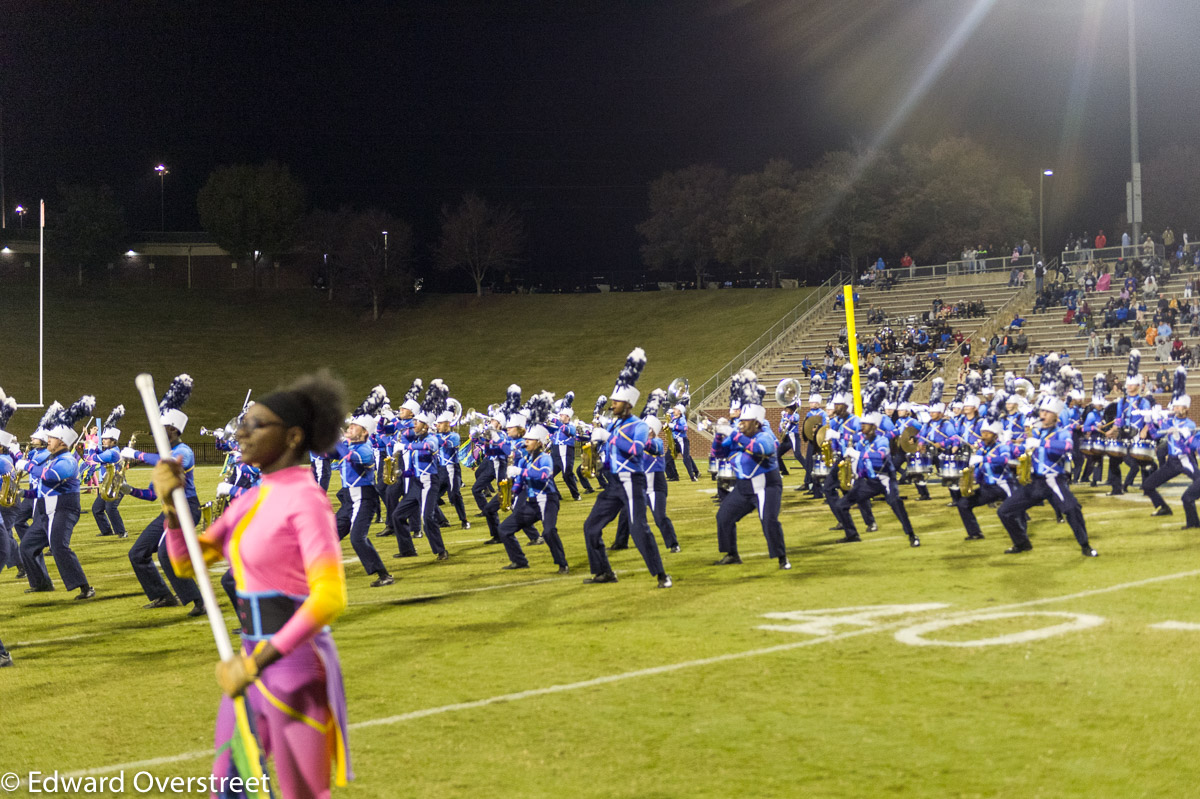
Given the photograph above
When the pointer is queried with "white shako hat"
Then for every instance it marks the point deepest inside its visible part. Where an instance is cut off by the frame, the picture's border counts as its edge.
(8, 406)
(62, 426)
(625, 389)
(110, 429)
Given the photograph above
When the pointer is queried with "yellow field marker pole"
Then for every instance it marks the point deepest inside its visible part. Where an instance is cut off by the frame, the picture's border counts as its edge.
(852, 345)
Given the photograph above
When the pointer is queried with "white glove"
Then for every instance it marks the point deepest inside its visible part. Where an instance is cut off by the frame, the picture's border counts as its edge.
(513, 472)
(723, 430)
(1032, 443)
(976, 460)
(224, 489)
(14, 451)
(129, 453)
(599, 435)
(22, 465)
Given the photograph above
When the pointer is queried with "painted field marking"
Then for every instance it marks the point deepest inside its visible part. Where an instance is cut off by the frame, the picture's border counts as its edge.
(648, 672)
(915, 635)
(1175, 625)
(823, 622)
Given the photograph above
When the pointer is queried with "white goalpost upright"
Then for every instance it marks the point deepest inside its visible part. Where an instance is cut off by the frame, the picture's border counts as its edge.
(41, 403)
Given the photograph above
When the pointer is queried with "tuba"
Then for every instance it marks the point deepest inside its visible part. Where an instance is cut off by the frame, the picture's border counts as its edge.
(788, 391)
(455, 407)
(677, 390)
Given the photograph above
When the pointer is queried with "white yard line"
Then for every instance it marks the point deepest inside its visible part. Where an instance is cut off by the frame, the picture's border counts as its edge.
(653, 671)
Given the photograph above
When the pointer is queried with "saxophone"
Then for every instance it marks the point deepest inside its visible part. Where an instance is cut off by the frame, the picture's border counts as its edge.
(845, 474)
(506, 487)
(114, 477)
(389, 474)
(1025, 469)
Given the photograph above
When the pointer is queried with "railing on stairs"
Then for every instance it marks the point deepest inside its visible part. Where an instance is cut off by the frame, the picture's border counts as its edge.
(768, 341)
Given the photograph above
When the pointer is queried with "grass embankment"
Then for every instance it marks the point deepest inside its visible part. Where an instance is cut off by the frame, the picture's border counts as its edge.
(526, 684)
(96, 343)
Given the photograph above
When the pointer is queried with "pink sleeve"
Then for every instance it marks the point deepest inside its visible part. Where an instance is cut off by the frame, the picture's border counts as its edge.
(212, 544)
(316, 535)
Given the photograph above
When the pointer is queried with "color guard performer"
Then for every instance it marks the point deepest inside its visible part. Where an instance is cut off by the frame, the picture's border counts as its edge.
(624, 440)
(58, 504)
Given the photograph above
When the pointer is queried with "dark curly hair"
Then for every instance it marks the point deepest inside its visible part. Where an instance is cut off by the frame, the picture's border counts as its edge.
(316, 403)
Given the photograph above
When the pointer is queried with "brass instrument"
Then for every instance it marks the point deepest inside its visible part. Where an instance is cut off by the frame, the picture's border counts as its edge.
(845, 474)
(211, 511)
(10, 489)
(1025, 469)
(966, 481)
(587, 464)
(808, 431)
(672, 447)
(390, 471)
(506, 487)
(110, 486)
(788, 391)
(823, 443)
(455, 407)
(677, 390)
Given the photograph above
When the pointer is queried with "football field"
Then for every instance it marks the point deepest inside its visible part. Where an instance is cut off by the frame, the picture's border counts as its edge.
(869, 669)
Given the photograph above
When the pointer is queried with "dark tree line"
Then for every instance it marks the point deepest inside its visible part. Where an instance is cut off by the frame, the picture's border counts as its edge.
(929, 202)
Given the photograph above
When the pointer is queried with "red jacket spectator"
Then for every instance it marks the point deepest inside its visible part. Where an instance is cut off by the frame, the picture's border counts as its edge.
(1101, 241)
(906, 261)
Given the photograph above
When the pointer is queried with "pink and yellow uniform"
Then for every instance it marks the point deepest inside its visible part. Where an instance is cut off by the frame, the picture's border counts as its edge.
(280, 538)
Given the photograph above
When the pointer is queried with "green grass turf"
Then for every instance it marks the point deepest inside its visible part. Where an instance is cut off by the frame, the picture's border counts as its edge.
(97, 343)
(1102, 712)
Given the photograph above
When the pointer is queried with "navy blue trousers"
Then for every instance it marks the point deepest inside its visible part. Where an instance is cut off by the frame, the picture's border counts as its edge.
(141, 556)
(627, 492)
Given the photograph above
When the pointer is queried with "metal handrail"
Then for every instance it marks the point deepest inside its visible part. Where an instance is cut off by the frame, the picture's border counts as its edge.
(1085, 254)
(767, 341)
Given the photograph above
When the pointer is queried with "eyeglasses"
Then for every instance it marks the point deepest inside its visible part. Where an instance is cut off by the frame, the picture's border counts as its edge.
(248, 426)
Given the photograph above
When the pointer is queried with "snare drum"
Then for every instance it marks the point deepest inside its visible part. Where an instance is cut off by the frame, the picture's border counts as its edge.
(1092, 446)
(820, 469)
(1143, 451)
(1115, 448)
(949, 467)
(712, 466)
(725, 476)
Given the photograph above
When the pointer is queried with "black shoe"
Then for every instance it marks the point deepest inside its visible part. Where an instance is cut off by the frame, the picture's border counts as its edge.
(848, 540)
(479, 515)
(383, 580)
(564, 569)
(87, 592)
(1088, 552)
(537, 541)
(974, 537)
(914, 542)
(40, 589)
(168, 601)
(1059, 519)
(606, 577)
(384, 533)
(728, 560)
(20, 574)
(872, 528)
(1190, 527)
(1163, 511)
(622, 546)
(512, 566)
(1017, 550)
(197, 609)
(785, 564)
(491, 541)
(466, 525)
(5, 660)
(443, 556)
(122, 535)
(836, 527)
(103, 535)
(664, 581)
(676, 548)
(924, 499)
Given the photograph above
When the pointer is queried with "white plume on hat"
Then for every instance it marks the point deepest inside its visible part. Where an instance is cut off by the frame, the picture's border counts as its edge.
(62, 426)
(365, 414)
(625, 389)
(8, 406)
(169, 407)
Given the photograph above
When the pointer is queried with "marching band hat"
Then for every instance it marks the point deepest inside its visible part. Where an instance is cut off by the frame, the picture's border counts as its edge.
(625, 390)
(1183, 400)
(1053, 404)
(755, 413)
(996, 427)
(874, 417)
(937, 407)
(654, 424)
(814, 398)
(538, 433)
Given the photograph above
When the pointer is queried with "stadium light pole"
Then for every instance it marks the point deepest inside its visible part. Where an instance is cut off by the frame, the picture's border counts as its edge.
(20, 211)
(162, 171)
(1042, 212)
(385, 252)
(1135, 182)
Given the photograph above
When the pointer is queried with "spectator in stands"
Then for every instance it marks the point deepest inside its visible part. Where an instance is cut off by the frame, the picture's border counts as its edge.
(1162, 381)
(1150, 286)
(1104, 282)
(1125, 244)
(1032, 367)
(1106, 347)
(1177, 349)
(1093, 346)
(1124, 345)
(1101, 240)
(839, 302)
(1187, 289)
(1017, 321)
(1186, 358)
(1022, 345)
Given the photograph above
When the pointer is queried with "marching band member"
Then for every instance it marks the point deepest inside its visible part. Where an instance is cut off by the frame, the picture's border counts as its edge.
(562, 442)
(679, 431)
(1177, 429)
(321, 469)
(449, 469)
(282, 542)
(811, 448)
(992, 476)
(1191, 448)
(534, 493)
(150, 540)
(107, 512)
(1128, 422)
(654, 459)
(10, 552)
(417, 507)
(843, 426)
(870, 454)
(624, 440)
(357, 495)
(392, 442)
(488, 466)
(1049, 446)
(26, 510)
(602, 474)
(907, 420)
(58, 500)
(381, 444)
(938, 434)
(506, 448)
(1092, 428)
(753, 450)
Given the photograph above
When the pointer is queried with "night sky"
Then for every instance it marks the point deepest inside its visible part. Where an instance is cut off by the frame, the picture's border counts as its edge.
(567, 110)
